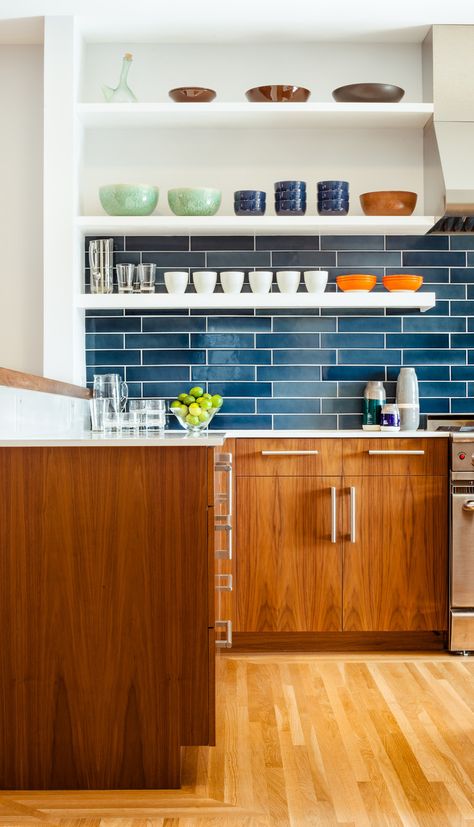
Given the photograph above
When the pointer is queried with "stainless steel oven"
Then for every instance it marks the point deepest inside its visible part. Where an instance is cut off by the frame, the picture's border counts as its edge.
(461, 591)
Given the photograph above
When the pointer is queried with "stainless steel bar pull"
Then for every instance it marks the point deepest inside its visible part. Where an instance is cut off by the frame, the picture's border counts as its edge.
(395, 453)
(226, 643)
(224, 582)
(333, 514)
(288, 453)
(353, 514)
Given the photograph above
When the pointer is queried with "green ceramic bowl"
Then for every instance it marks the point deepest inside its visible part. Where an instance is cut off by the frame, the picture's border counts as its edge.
(128, 199)
(194, 201)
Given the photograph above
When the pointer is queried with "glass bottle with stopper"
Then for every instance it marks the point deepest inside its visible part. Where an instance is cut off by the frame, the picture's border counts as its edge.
(122, 93)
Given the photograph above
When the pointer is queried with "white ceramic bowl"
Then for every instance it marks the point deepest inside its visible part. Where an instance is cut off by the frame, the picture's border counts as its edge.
(316, 280)
(288, 280)
(232, 281)
(204, 281)
(176, 281)
(261, 281)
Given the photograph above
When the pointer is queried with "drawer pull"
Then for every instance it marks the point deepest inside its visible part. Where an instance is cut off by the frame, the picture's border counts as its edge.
(353, 514)
(288, 453)
(333, 514)
(417, 453)
(224, 553)
(224, 583)
(226, 643)
(222, 527)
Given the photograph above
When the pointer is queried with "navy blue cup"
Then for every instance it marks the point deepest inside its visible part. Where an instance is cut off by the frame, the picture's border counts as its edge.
(333, 185)
(295, 211)
(249, 202)
(289, 185)
(290, 203)
(249, 195)
(255, 210)
(333, 202)
(325, 209)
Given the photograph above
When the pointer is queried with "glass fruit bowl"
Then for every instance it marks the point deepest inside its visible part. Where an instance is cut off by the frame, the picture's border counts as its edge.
(189, 422)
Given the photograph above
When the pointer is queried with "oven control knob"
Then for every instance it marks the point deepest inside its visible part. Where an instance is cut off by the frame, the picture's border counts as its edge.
(462, 456)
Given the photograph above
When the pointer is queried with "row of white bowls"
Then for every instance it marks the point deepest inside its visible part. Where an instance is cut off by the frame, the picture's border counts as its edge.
(260, 281)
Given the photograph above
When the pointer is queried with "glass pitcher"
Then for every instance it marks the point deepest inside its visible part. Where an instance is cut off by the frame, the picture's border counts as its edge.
(110, 386)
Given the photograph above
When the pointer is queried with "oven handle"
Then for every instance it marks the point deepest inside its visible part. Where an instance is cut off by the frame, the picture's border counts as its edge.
(468, 506)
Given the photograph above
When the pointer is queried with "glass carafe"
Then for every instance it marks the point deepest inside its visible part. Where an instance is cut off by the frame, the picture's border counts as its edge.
(110, 386)
(122, 93)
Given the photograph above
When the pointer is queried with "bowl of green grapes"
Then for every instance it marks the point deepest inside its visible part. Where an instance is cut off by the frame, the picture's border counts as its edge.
(195, 409)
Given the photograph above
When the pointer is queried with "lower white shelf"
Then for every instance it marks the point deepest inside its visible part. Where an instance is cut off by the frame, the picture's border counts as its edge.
(199, 301)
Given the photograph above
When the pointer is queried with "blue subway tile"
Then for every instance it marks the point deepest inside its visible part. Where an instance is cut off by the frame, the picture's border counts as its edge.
(239, 406)
(157, 242)
(222, 242)
(462, 406)
(287, 340)
(470, 324)
(104, 341)
(113, 324)
(350, 421)
(303, 324)
(435, 357)
(462, 340)
(350, 311)
(174, 357)
(223, 373)
(412, 340)
(345, 389)
(447, 291)
(431, 275)
(113, 357)
(462, 308)
(289, 373)
(134, 389)
(368, 259)
(222, 422)
(422, 324)
(304, 356)
(126, 258)
(463, 241)
(239, 324)
(305, 422)
(417, 242)
(254, 389)
(441, 309)
(292, 389)
(303, 258)
(173, 324)
(434, 258)
(156, 340)
(173, 259)
(464, 275)
(427, 372)
(93, 370)
(161, 312)
(469, 259)
(237, 259)
(429, 406)
(225, 311)
(463, 373)
(368, 357)
(341, 372)
(287, 242)
(162, 390)
(357, 340)
(227, 340)
(352, 242)
(470, 391)
(239, 357)
(90, 313)
(333, 272)
(384, 324)
(171, 373)
(442, 389)
(342, 405)
(470, 357)
(285, 406)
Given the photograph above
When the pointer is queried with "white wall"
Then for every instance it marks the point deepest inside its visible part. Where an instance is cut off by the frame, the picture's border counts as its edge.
(21, 208)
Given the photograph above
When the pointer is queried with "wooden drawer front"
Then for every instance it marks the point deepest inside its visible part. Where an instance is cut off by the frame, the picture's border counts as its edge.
(396, 456)
(288, 457)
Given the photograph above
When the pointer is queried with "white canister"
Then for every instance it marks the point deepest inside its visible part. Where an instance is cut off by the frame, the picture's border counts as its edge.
(261, 281)
(176, 281)
(316, 280)
(204, 281)
(232, 281)
(408, 399)
(288, 280)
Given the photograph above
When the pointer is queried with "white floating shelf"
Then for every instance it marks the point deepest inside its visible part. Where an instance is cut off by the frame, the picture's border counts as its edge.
(258, 225)
(255, 115)
(198, 301)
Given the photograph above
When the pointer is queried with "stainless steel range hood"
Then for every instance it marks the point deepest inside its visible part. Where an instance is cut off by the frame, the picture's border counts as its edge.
(448, 67)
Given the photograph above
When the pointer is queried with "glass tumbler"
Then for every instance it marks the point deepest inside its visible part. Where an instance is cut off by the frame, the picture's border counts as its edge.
(98, 407)
(155, 415)
(146, 277)
(138, 407)
(125, 276)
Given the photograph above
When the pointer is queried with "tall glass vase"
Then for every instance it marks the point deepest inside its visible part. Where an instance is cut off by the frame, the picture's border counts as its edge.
(408, 399)
(122, 93)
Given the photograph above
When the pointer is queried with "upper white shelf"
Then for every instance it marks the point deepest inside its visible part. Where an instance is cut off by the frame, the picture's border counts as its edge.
(258, 225)
(166, 301)
(255, 115)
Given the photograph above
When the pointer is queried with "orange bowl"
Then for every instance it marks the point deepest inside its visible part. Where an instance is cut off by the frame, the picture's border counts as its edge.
(356, 283)
(402, 283)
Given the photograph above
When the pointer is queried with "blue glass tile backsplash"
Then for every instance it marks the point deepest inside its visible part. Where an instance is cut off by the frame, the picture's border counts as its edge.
(295, 368)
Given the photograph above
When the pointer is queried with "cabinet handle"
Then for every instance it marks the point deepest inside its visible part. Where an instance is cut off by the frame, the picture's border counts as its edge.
(353, 514)
(395, 453)
(226, 643)
(224, 583)
(333, 514)
(288, 453)
(468, 506)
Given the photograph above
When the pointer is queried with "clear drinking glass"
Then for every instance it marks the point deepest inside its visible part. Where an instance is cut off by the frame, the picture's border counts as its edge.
(98, 407)
(112, 419)
(125, 276)
(110, 386)
(155, 414)
(146, 276)
(130, 422)
(138, 407)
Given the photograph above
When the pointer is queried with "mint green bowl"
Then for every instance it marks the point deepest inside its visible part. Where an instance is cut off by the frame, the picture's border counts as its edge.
(128, 199)
(194, 201)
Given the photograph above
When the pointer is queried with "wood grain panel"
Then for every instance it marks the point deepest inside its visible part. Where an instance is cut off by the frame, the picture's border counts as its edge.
(30, 382)
(289, 574)
(396, 573)
(251, 462)
(103, 579)
(318, 642)
(358, 461)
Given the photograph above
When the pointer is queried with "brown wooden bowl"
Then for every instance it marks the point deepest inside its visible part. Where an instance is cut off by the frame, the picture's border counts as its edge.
(278, 94)
(192, 94)
(368, 93)
(388, 202)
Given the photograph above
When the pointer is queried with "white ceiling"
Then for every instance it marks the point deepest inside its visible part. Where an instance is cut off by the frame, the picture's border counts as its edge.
(231, 21)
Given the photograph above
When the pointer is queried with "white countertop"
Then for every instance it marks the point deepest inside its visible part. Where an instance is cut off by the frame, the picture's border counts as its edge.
(354, 434)
(85, 439)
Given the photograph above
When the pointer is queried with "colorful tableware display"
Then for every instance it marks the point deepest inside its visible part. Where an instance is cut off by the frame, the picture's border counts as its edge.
(192, 94)
(356, 283)
(128, 199)
(194, 200)
(388, 202)
(368, 93)
(401, 283)
(281, 93)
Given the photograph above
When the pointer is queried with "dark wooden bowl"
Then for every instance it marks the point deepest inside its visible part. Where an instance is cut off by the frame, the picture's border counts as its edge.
(192, 94)
(278, 94)
(368, 93)
(388, 202)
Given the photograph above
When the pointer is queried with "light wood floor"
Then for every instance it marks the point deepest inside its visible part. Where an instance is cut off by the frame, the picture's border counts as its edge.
(343, 741)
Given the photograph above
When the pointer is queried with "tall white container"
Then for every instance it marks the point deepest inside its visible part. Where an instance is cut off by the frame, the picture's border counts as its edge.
(408, 399)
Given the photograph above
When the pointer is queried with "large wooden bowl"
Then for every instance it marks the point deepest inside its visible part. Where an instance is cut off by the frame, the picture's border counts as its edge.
(388, 202)
(368, 93)
(278, 94)
(192, 94)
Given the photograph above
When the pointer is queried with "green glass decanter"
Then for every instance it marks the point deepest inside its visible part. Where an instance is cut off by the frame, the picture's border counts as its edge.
(122, 93)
